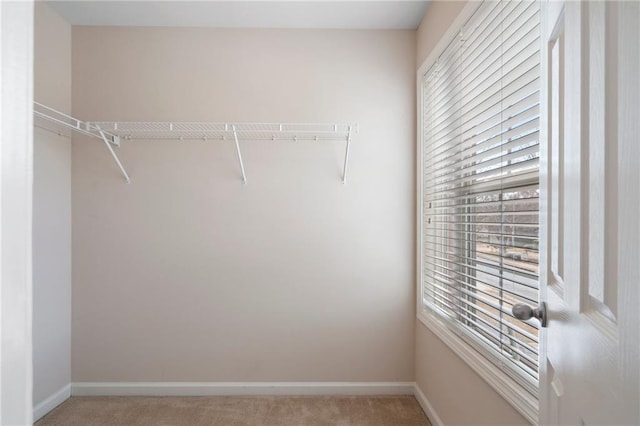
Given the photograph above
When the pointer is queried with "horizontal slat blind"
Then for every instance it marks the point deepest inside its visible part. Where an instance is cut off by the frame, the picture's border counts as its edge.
(480, 183)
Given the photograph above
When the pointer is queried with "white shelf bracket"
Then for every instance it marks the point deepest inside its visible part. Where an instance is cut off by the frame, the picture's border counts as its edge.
(346, 158)
(235, 137)
(113, 154)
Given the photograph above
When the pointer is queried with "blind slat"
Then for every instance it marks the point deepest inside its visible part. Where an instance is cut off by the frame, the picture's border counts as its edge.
(488, 335)
(466, 308)
(514, 293)
(483, 90)
(487, 111)
(469, 312)
(480, 145)
(502, 268)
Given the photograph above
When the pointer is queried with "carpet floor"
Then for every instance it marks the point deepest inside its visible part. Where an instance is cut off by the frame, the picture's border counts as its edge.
(236, 411)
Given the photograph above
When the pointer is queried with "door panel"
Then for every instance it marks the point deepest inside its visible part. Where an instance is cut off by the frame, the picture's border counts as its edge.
(556, 159)
(590, 193)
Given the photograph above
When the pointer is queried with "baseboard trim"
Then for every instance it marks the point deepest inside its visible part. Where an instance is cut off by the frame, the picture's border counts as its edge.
(239, 388)
(55, 399)
(427, 407)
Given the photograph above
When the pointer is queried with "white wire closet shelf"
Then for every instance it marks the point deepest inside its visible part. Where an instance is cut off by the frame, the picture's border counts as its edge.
(225, 131)
(112, 133)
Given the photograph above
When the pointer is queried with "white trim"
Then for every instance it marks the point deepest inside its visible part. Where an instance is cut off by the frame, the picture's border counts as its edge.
(503, 384)
(16, 183)
(239, 388)
(428, 409)
(55, 399)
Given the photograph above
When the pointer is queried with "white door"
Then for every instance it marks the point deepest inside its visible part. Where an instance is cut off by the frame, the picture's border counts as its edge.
(590, 197)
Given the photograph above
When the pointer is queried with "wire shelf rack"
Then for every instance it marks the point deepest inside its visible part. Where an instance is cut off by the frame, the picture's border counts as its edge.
(226, 131)
(112, 133)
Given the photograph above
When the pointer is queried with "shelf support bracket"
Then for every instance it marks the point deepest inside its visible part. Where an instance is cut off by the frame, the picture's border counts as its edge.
(346, 158)
(113, 154)
(235, 137)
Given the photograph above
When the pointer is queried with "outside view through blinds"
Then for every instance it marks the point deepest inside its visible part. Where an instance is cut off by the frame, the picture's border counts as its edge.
(480, 189)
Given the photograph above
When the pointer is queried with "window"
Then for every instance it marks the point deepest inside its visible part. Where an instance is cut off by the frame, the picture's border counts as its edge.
(479, 189)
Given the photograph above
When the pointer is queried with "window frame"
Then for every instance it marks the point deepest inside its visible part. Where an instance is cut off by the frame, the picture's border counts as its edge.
(504, 384)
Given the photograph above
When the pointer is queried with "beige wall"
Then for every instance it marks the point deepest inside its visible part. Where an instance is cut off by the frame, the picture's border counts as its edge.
(186, 274)
(458, 395)
(51, 210)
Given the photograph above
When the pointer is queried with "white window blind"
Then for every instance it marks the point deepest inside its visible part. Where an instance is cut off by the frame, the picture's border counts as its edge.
(480, 106)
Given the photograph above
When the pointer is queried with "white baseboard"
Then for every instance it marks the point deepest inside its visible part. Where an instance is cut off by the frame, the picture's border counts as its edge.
(51, 402)
(239, 388)
(427, 407)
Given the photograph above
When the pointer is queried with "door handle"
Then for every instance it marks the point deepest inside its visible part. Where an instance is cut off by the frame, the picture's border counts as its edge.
(524, 312)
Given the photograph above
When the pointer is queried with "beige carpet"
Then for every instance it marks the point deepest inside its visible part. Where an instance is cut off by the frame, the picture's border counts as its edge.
(235, 411)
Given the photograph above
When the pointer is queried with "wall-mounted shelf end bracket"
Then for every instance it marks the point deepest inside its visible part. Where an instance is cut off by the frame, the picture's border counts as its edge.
(235, 137)
(115, 140)
(61, 119)
(346, 156)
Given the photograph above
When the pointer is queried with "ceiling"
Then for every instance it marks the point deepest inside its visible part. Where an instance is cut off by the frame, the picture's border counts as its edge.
(353, 14)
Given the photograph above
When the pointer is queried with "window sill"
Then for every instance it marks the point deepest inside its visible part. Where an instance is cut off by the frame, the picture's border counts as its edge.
(506, 387)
